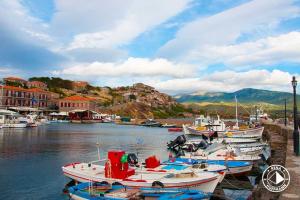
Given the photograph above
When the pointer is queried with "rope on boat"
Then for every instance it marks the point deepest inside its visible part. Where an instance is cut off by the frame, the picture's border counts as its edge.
(236, 187)
(109, 168)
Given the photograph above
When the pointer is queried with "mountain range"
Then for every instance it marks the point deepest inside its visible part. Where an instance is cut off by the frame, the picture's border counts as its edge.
(247, 95)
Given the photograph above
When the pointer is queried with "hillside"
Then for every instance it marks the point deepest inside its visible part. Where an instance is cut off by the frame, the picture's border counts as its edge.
(247, 95)
(137, 101)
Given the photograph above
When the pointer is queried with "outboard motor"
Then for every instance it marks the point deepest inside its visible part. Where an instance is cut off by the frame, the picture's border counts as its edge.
(190, 148)
(213, 136)
(179, 141)
(203, 144)
(132, 159)
(204, 137)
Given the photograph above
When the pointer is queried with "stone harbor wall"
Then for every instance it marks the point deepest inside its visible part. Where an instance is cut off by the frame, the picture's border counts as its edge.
(277, 137)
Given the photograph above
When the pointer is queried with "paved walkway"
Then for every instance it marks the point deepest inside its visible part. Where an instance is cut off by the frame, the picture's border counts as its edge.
(293, 166)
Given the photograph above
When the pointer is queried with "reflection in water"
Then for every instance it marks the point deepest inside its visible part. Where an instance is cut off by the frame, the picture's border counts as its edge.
(31, 159)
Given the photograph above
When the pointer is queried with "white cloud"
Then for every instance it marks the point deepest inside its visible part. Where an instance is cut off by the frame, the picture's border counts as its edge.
(131, 67)
(15, 18)
(263, 52)
(229, 81)
(225, 28)
(139, 17)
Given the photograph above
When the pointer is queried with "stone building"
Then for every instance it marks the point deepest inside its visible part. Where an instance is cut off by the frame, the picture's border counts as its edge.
(37, 84)
(11, 96)
(77, 103)
(17, 80)
(79, 85)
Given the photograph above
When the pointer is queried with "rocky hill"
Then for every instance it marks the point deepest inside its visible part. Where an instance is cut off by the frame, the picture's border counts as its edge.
(138, 100)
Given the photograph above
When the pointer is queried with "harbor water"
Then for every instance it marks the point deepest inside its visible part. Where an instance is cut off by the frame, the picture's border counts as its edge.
(31, 158)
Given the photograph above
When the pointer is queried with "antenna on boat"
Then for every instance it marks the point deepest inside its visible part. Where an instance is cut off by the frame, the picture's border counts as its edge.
(236, 111)
(139, 141)
(98, 148)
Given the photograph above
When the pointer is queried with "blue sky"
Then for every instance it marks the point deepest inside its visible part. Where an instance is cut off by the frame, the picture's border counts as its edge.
(177, 46)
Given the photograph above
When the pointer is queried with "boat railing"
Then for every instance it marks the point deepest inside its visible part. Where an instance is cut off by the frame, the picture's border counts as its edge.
(98, 161)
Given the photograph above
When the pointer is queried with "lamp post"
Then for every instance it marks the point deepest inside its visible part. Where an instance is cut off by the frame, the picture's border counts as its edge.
(295, 132)
(2, 89)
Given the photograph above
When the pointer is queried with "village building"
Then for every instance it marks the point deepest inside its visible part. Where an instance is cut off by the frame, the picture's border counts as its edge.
(77, 103)
(79, 85)
(37, 84)
(12, 96)
(16, 80)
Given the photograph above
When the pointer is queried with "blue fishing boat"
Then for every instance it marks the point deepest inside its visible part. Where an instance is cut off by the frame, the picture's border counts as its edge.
(233, 166)
(174, 194)
(99, 191)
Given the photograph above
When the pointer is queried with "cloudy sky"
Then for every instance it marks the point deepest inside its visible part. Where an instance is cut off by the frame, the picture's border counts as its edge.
(177, 46)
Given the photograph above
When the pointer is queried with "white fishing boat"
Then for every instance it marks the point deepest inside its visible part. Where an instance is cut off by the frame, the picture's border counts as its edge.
(234, 167)
(208, 127)
(10, 119)
(231, 141)
(259, 115)
(240, 146)
(221, 154)
(14, 125)
(117, 171)
(251, 133)
(249, 150)
(248, 145)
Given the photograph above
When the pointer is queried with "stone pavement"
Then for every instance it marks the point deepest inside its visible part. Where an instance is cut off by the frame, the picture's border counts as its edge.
(293, 166)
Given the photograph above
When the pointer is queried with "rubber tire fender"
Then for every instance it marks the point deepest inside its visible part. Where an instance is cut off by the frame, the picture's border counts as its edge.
(158, 184)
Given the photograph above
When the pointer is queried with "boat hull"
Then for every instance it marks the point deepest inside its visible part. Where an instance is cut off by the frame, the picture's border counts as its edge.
(233, 167)
(14, 125)
(249, 133)
(84, 191)
(207, 184)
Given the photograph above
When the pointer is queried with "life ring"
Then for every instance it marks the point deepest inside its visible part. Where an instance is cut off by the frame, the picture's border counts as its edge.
(158, 184)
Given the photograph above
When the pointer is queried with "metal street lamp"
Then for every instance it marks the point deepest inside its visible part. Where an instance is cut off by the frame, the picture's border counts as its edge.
(295, 132)
(2, 89)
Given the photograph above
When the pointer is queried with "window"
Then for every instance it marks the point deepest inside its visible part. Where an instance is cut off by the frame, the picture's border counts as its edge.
(61, 104)
(66, 105)
(69, 105)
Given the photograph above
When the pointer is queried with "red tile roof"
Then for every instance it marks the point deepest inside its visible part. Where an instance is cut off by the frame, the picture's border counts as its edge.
(7, 87)
(78, 98)
(37, 82)
(36, 90)
(80, 83)
(14, 78)
(13, 88)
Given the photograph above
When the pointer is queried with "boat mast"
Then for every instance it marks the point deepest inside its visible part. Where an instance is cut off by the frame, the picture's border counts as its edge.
(236, 111)
(98, 148)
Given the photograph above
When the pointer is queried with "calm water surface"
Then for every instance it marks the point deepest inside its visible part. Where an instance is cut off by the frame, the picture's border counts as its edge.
(31, 159)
